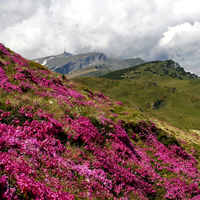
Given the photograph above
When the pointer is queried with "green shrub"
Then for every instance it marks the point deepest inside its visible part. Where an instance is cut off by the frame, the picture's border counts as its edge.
(166, 139)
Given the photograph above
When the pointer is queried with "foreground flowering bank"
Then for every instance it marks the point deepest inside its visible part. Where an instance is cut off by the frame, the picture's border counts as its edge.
(59, 140)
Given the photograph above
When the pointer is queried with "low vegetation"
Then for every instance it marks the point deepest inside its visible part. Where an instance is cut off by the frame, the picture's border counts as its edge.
(169, 99)
(63, 140)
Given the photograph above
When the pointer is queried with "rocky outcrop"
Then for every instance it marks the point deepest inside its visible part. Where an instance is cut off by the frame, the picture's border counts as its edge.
(159, 104)
(175, 65)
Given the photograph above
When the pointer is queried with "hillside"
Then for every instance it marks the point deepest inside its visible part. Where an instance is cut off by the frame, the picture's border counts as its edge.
(172, 100)
(88, 64)
(159, 68)
(62, 140)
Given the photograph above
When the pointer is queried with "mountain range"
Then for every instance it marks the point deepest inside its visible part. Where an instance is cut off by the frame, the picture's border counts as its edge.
(88, 64)
(61, 139)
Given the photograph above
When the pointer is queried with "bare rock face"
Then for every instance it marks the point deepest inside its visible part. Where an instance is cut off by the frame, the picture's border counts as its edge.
(78, 62)
(96, 58)
(179, 70)
(174, 65)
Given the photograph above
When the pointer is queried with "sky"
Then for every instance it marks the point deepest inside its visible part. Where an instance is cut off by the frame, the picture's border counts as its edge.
(149, 29)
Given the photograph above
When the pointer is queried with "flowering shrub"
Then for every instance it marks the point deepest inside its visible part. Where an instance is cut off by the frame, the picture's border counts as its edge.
(65, 155)
(4, 81)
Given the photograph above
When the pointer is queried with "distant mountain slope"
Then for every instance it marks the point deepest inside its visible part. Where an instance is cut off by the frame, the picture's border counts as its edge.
(105, 67)
(100, 63)
(134, 61)
(92, 70)
(159, 68)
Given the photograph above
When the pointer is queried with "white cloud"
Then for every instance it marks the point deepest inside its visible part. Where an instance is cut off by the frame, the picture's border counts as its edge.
(187, 10)
(150, 29)
(181, 43)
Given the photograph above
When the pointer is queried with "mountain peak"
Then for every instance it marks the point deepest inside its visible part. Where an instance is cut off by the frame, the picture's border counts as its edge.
(66, 53)
(63, 55)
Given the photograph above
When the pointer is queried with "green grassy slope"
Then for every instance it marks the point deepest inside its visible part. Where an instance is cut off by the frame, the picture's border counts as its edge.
(190, 86)
(172, 100)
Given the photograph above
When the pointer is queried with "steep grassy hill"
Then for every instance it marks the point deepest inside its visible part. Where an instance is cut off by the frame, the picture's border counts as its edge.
(159, 68)
(62, 140)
